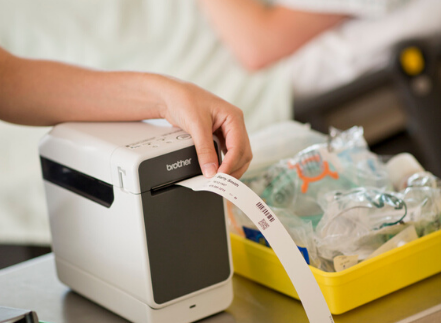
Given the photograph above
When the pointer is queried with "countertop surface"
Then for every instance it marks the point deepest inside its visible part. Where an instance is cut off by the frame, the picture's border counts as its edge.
(34, 285)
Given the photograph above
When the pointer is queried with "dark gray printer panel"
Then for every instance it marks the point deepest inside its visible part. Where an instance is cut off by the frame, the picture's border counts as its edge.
(186, 233)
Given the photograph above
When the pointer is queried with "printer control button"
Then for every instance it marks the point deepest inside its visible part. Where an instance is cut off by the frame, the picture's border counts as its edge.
(182, 137)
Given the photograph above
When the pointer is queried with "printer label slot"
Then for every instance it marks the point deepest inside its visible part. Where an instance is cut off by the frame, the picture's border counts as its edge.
(77, 182)
(161, 187)
(166, 186)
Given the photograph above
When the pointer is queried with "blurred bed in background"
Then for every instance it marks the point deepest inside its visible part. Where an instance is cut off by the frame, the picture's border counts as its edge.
(173, 37)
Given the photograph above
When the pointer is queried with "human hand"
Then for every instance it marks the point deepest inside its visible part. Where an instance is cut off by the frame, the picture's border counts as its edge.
(201, 114)
(52, 92)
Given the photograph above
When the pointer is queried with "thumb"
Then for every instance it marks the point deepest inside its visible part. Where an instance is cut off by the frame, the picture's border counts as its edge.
(207, 155)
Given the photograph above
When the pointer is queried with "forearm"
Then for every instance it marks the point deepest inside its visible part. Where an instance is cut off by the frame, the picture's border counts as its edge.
(45, 93)
(239, 24)
(259, 35)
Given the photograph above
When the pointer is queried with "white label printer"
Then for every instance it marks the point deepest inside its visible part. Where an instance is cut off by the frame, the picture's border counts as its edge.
(123, 234)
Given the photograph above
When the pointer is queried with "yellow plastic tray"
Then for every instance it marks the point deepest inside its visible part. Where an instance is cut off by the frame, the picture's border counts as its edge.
(349, 288)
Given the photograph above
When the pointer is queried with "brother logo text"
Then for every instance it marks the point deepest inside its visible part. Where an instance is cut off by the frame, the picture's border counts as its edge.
(179, 164)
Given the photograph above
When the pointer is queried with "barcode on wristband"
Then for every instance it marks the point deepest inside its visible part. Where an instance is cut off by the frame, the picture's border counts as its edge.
(265, 211)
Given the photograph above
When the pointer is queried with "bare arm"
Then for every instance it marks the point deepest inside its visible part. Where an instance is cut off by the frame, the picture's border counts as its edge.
(259, 35)
(37, 92)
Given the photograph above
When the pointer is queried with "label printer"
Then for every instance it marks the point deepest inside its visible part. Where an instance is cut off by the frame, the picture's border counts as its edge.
(123, 234)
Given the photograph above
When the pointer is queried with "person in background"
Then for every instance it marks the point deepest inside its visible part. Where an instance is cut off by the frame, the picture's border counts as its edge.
(259, 34)
(42, 93)
(323, 44)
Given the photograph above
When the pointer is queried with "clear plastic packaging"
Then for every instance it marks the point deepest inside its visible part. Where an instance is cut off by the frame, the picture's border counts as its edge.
(296, 183)
(405, 236)
(400, 167)
(359, 221)
(337, 201)
(424, 208)
(423, 179)
(279, 141)
(301, 232)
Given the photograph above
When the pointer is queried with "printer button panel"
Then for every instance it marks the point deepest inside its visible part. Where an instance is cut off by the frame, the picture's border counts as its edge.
(184, 136)
(157, 142)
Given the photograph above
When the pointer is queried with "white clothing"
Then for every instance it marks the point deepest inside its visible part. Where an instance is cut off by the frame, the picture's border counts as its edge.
(358, 8)
(172, 37)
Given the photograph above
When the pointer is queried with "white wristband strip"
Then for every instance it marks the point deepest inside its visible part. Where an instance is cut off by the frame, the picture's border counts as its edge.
(275, 233)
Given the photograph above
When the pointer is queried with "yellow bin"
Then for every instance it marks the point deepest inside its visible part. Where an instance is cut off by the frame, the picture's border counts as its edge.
(349, 288)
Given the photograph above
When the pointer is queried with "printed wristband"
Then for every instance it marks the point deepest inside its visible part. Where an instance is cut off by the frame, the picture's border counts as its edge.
(275, 233)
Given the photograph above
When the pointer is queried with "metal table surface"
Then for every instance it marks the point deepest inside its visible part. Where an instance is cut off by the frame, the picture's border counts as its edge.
(33, 285)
